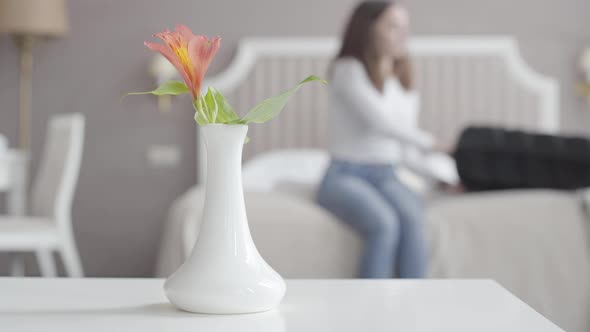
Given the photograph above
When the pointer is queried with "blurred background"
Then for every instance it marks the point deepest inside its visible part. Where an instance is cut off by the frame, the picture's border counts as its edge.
(138, 160)
(121, 199)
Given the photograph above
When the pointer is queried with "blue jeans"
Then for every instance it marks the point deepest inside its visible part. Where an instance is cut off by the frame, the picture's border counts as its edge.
(387, 214)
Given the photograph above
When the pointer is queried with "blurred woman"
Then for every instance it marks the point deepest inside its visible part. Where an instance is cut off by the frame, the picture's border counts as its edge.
(373, 114)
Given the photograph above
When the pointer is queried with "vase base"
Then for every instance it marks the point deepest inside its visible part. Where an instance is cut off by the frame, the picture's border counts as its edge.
(206, 311)
(227, 299)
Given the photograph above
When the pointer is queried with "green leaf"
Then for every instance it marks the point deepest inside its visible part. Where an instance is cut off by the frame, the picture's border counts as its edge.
(200, 115)
(225, 113)
(210, 106)
(199, 119)
(214, 108)
(237, 121)
(271, 107)
(169, 88)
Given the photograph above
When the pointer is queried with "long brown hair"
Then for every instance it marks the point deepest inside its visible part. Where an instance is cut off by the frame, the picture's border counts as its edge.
(357, 40)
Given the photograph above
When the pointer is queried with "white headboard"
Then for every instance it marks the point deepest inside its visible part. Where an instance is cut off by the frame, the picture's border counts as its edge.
(461, 81)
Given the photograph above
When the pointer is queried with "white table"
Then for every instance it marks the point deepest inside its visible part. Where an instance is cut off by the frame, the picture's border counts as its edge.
(68, 305)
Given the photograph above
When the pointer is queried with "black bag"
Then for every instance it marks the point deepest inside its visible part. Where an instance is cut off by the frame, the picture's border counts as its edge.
(492, 158)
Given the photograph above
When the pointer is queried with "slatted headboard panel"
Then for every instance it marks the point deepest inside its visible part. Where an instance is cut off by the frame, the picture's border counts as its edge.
(461, 80)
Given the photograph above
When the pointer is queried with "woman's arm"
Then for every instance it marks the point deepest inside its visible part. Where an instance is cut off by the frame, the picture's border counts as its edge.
(351, 84)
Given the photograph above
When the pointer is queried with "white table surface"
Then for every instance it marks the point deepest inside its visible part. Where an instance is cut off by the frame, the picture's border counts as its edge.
(68, 305)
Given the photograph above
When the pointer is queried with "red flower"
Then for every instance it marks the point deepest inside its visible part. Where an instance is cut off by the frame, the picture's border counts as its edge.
(190, 54)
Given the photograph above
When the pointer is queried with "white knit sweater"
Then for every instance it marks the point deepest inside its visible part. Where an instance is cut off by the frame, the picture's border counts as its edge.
(367, 125)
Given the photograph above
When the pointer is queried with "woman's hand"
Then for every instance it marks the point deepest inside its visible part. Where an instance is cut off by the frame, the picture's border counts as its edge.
(452, 188)
(443, 148)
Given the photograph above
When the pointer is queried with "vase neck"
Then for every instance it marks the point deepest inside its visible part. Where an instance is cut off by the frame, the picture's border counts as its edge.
(222, 136)
(224, 144)
(224, 231)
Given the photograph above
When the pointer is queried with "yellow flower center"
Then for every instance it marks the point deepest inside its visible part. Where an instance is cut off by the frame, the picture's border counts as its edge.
(182, 54)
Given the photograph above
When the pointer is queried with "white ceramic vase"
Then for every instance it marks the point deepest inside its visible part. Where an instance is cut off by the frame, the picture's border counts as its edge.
(224, 274)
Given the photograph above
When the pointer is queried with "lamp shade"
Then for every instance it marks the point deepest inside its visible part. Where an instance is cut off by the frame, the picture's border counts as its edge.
(34, 17)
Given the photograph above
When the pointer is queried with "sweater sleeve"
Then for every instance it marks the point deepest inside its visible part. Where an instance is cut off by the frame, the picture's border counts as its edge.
(351, 84)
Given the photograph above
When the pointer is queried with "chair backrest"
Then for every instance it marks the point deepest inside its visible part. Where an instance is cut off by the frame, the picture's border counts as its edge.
(3, 144)
(4, 174)
(56, 179)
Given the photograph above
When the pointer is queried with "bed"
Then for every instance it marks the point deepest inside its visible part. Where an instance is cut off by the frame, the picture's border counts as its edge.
(534, 242)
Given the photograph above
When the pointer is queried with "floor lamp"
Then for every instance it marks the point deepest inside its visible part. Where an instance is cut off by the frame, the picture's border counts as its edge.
(28, 20)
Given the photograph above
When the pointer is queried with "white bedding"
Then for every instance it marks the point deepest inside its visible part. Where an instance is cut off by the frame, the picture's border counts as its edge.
(533, 242)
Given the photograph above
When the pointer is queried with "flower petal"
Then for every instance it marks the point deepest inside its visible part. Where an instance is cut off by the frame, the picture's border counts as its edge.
(185, 32)
(170, 55)
(169, 38)
(201, 51)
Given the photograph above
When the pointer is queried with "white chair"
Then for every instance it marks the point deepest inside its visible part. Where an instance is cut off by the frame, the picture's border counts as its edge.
(49, 228)
(4, 178)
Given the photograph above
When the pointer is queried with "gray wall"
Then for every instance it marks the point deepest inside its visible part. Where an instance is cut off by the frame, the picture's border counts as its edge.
(121, 201)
